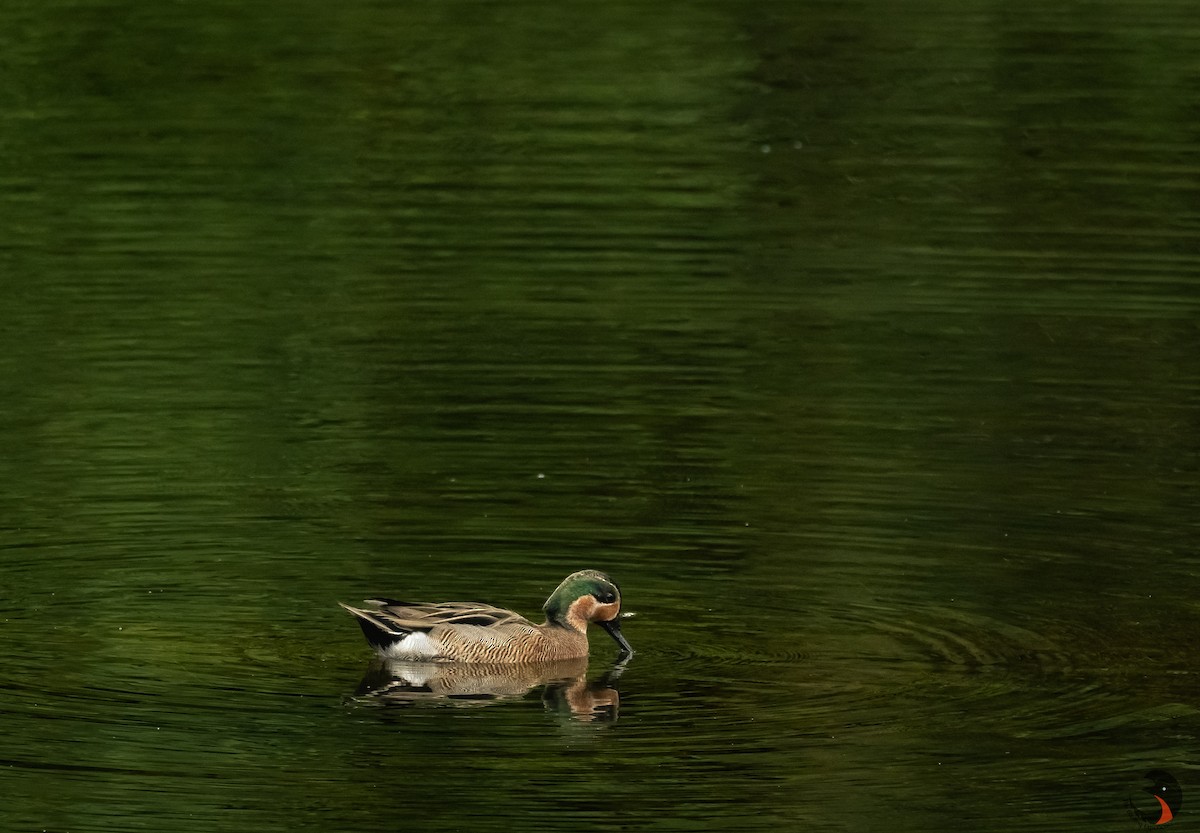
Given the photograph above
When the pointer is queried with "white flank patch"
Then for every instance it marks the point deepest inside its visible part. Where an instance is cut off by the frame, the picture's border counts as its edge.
(416, 645)
(413, 673)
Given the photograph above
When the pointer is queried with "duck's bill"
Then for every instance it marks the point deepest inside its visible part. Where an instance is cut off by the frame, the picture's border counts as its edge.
(613, 626)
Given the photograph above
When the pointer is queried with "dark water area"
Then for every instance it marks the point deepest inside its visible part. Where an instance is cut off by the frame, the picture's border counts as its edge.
(858, 341)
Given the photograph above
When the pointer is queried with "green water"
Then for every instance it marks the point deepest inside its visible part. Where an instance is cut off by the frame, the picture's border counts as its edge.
(858, 341)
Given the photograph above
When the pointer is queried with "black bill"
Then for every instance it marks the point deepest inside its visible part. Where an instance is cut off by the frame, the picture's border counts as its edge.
(613, 626)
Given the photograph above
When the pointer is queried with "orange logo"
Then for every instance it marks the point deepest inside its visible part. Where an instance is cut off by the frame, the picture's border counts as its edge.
(1167, 794)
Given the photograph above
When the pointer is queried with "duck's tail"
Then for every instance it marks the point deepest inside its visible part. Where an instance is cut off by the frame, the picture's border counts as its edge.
(381, 633)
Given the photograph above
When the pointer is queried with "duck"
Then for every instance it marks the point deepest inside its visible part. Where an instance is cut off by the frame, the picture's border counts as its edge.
(471, 632)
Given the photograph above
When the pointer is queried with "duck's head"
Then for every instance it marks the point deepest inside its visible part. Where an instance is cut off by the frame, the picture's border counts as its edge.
(588, 596)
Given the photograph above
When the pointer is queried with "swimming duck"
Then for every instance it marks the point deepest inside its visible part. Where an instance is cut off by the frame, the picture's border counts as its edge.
(469, 632)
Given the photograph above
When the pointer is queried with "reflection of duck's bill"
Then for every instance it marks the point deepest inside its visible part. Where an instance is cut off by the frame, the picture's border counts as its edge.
(613, 626)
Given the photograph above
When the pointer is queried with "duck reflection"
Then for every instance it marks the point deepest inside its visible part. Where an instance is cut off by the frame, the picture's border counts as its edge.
(566, 687)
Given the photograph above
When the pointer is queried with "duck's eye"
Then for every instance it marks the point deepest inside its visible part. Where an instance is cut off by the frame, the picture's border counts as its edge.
(605, 596)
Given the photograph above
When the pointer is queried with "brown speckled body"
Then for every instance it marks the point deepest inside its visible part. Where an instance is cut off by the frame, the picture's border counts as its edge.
(516, 642)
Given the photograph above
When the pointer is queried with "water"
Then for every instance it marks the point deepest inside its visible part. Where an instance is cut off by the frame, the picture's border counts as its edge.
(857, 341)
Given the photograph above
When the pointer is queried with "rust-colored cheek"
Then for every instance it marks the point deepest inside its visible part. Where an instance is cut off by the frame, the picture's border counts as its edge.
(582, 609)
(603, 613)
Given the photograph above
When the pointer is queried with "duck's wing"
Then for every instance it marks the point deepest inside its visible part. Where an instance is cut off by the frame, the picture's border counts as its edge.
(389, 621)
(419, 616)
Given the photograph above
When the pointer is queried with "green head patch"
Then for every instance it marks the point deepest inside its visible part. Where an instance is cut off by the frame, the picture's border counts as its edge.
(576, 585)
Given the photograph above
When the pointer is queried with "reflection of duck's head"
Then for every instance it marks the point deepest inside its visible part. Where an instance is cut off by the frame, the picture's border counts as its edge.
(588, 596)
(583, 700)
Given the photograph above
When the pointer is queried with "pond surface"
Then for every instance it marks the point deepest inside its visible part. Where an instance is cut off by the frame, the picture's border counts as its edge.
(857, 341)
